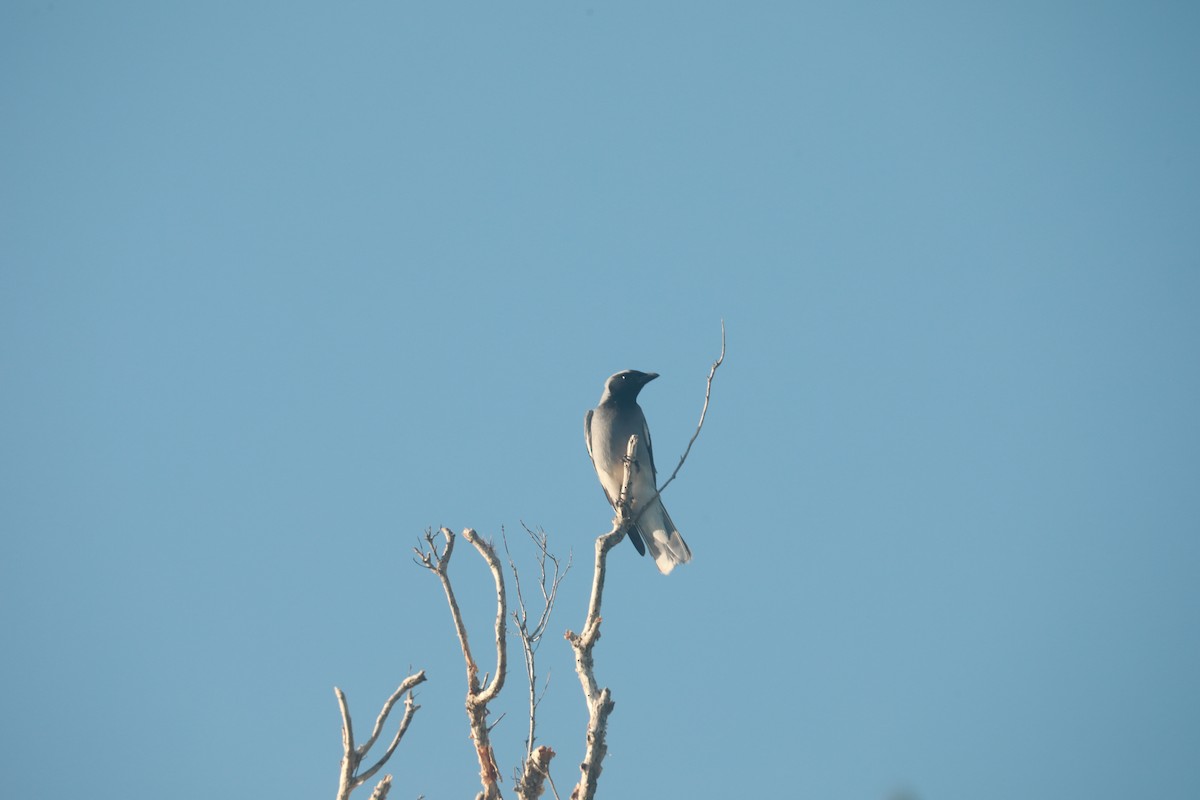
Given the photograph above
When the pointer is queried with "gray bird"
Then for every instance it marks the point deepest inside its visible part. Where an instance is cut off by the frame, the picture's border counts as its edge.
(607, 429)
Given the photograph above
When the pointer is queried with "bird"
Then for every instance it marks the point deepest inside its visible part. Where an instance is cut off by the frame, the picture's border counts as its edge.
(607, 429)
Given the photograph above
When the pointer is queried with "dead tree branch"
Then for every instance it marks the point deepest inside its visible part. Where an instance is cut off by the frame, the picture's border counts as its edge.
(478, 695)
(531, 634)
(529, 780)
(699, 425)
(350, 778)
(599, 700)
(382, 788)
(531, 784)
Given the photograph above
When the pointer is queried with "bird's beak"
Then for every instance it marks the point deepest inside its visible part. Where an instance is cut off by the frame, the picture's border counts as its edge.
(650, 376)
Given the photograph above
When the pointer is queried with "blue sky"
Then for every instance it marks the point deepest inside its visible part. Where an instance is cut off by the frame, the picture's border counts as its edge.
(284, 284)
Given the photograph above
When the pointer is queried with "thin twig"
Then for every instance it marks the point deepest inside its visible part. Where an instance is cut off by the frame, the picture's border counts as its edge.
(699, 425)
(549, 777)
(548, 584)
(440, 565)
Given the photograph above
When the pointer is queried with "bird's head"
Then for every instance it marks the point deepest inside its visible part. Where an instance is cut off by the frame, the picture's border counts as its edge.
(626, 384)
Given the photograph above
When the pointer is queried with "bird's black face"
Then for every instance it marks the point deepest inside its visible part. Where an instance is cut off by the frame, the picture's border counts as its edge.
(628, 383)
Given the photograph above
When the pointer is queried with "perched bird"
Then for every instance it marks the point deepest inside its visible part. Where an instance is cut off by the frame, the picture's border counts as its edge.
(607, 429)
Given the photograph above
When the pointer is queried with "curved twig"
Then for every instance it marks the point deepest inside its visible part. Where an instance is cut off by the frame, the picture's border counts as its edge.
(699, 425)
(489, 555)
(531, 635)
(478, 696)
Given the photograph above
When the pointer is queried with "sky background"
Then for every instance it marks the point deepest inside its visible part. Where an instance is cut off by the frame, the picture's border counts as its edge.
(283, 284)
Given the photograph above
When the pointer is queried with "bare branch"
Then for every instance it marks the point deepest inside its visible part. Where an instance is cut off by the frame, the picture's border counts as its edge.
(350, 757)
(599, 701)
(349, 777)
(477, 696)
(548, 584)
(549, 777)
(699, 425)
(410, 708)
(408, 684)
(489, 555)
(530, 780)
(440, 565)
(537, 771)
(432, 558)
(382, 788)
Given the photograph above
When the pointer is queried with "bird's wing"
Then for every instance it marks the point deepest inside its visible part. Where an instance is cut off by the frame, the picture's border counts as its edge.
(587, 434)
(587, 438)
(649, 450)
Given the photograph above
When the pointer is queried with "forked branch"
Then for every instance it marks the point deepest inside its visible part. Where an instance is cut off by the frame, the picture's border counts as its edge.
(478, 696)
(350, 775)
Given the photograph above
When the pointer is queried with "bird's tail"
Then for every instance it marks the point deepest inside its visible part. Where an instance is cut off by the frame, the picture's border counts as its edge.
(663, 540)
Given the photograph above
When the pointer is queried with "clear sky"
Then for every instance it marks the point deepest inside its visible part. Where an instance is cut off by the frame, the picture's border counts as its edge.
(284, 284)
